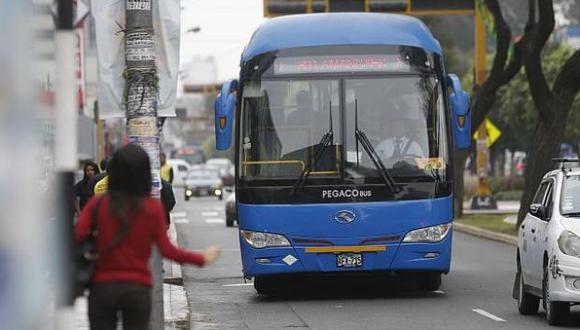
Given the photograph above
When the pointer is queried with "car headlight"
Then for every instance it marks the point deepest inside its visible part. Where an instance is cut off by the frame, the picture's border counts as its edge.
(188, 192)
(429, 235)
(260, 240)
(569, 243)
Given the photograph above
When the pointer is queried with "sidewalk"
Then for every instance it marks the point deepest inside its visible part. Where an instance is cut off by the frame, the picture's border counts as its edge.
(174, 298)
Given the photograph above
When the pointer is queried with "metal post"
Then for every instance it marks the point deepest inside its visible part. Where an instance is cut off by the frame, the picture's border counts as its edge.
(140, 97)
(483, 199)
(65, 154)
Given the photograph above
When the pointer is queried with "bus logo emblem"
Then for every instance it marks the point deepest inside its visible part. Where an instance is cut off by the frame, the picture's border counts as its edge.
(344, 216)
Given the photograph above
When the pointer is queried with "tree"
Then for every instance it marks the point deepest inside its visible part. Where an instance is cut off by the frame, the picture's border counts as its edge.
(552, 105)
(503, 69)
(516, 115)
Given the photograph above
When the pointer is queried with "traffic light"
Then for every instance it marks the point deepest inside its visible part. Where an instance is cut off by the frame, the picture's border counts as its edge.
(409, 7)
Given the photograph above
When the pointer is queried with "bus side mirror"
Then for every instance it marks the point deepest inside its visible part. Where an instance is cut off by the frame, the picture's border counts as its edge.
(459, 101)
(225, 106)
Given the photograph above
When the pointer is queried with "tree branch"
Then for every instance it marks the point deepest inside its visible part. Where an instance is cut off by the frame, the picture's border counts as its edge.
(536, 36)
(567, 84)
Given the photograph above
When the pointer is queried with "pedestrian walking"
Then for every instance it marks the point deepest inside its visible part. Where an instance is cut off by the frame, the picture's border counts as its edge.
(82, 189)
(129, 222)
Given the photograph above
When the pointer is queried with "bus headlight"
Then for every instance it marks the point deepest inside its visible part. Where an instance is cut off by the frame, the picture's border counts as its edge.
(428, 235)
(260, 240)
(569, 243)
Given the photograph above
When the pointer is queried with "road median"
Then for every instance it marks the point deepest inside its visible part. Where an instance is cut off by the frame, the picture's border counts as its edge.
(491, 227)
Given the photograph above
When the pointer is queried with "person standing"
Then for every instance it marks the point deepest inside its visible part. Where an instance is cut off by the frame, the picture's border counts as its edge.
(129, 222)
(82, 189)
(167, 199)
(166, 169)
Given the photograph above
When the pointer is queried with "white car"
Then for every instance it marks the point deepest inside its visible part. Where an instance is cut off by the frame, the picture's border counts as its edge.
(180, 170)
(548, 254)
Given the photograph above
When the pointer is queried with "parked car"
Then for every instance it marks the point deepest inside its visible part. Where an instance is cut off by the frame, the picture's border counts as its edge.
(548, 253)
(180, 170)
(203, 182)
(231, 210)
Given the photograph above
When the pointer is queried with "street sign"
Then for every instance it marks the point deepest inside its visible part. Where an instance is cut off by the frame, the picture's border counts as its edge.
(493, 133)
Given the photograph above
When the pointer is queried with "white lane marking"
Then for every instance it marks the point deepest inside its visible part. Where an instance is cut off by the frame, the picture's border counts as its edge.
(179, 214)
(488, 315)
(216, 220)
(209, 214)
(181, 220)
(239, 284)
(439, 292)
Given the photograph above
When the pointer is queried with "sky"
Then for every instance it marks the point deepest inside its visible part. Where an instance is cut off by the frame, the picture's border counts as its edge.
(225, 28)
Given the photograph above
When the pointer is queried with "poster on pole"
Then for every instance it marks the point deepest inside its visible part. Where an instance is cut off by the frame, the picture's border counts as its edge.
(109, 16)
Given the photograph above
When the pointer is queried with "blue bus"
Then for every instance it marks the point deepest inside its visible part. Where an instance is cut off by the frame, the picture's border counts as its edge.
(344, 127)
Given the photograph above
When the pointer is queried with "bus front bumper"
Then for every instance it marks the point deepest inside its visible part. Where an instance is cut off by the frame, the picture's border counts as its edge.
(374, 258)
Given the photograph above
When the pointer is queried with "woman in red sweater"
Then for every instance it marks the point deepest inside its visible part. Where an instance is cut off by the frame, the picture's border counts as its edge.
(129, 222)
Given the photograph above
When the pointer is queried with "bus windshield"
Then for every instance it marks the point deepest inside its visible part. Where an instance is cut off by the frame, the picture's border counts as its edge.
(283, 122)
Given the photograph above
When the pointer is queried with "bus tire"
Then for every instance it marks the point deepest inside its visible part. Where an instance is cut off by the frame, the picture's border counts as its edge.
(428, 281)
(263, 285)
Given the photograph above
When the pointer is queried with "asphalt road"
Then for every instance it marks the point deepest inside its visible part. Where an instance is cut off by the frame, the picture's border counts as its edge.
(476, 294)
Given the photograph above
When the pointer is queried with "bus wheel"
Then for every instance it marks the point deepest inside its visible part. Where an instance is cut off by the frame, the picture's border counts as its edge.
(263, 285)
(428, 281)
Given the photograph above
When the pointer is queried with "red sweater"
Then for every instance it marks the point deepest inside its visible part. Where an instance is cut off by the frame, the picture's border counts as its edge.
(128, 261)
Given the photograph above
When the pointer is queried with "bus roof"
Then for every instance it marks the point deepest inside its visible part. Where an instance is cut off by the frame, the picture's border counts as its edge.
(306, 30)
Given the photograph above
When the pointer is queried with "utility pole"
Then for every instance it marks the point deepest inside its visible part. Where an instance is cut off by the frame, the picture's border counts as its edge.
(140, 97)
(65, 154)
(484, 198)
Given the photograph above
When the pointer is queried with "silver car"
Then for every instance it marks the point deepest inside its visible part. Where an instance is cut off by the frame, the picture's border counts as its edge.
(203, 182)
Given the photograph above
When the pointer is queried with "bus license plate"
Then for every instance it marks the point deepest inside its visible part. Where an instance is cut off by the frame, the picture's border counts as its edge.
(349, 260)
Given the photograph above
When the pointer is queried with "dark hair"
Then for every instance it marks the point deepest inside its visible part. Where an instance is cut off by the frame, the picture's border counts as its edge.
(130, 172)
(87, 164)
(129, 180)
(104, 164)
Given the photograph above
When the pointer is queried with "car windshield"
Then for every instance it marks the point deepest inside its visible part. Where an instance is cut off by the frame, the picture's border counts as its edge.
(570, 201)
(202, 175)
(403, 116)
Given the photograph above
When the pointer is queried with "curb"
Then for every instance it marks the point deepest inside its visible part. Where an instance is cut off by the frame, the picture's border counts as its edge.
(482, 233)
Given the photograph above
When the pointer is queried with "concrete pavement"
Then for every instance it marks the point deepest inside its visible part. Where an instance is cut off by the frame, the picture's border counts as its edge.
(476, 294)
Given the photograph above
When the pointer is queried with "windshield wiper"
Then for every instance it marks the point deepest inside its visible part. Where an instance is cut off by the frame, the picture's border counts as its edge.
(326, 140)
(572, 214)
(368, 147)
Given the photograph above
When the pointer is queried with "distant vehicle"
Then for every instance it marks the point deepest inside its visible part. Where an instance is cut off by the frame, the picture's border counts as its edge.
(180, 170)
(548, 254)
(203, 182)
(193, 154)
(231, 213)
(223, 164)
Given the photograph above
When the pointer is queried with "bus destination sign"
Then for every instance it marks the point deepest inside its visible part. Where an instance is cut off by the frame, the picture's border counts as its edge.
(340, 63)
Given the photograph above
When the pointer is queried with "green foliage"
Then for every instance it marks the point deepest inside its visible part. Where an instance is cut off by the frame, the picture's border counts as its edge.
(515, 112)
(493, 222)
